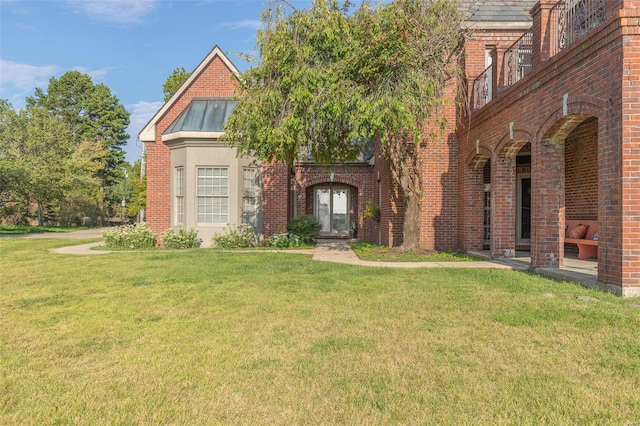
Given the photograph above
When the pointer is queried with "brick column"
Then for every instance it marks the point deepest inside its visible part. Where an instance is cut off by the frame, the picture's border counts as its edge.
(503, 207)
(276, 185)
(543, 32)
(471, 211)
(547, 204)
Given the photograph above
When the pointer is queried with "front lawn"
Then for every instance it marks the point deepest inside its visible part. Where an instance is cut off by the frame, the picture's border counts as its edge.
(26, 229)
(211, 337)
(374, 252)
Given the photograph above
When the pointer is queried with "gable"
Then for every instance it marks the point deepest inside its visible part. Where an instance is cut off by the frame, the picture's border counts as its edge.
(213, 77)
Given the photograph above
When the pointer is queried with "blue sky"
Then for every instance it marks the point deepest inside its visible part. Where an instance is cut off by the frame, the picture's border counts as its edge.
(132, 46)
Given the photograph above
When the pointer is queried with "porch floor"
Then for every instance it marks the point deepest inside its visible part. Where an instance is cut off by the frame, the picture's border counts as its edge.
(584, 272)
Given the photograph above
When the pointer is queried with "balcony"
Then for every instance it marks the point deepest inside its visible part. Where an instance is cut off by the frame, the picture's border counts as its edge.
(568, 22)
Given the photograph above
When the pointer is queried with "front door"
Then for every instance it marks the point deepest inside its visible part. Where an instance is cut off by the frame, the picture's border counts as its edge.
(331, 208)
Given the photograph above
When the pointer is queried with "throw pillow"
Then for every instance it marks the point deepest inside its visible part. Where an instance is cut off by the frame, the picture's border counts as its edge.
(578, 232)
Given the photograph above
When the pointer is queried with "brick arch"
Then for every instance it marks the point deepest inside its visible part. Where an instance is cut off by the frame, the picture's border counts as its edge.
(512, 142)
(325, 180)
(557, 125)
(476, 160)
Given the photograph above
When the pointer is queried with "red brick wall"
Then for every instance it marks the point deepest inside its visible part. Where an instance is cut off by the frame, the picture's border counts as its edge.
(439, 221)
(600, 75)
(216, 80)
(359, 177)
(276, 202)
(581, 172)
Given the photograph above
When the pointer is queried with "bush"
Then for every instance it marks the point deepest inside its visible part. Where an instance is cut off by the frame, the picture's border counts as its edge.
(180, 239)
(235, 237)
(306, 227)
(136, 236)
(284, 241)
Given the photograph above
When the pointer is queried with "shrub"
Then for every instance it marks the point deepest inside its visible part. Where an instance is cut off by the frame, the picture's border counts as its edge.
(371, 210)
(234, 237)
(306, 227)
(135, 236)
(284, 241)
(180, 239)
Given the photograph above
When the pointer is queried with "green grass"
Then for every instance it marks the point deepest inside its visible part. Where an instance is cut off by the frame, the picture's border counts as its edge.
(374, 252)
(26, 229)
(210, 337)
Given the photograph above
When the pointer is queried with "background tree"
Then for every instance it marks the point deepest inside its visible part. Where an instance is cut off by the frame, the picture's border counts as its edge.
(174, 81)
(12, 207)
(92, 113)
(40, 164)
(328, 78)
(132, 187)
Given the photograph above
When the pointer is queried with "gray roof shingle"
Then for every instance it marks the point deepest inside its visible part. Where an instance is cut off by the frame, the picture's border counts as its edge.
(496, 11)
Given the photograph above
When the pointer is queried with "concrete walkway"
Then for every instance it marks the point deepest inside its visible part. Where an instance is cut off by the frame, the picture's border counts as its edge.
(336, 251)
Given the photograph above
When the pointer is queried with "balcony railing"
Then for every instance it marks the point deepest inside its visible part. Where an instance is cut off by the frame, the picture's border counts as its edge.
(517, 59)
(568, 21)
(482, 88)
(575, 18)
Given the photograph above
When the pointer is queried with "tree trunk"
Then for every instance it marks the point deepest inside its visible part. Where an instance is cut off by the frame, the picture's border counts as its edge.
(411, 226)
(40, 215)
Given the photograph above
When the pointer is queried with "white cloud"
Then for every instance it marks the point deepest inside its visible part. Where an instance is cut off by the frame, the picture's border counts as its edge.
(141, 113)
(17, 81)
(253, 24)
(115, 11)
(25, 76)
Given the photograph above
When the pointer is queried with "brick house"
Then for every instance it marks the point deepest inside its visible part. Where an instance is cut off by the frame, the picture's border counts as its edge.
(550, 137)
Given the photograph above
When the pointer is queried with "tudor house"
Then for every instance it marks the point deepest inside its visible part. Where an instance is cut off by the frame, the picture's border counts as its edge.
(549, 138)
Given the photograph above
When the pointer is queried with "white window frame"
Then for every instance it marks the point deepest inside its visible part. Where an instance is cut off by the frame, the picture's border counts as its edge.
(179, 195)
(249, 196)
(212, 195)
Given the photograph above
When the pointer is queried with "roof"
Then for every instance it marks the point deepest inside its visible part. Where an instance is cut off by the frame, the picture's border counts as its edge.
(203, 115)
(148, 132)
(494, 14)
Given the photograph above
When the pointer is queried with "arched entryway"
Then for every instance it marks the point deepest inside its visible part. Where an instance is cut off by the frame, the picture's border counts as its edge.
(581, 178)
(335, 205)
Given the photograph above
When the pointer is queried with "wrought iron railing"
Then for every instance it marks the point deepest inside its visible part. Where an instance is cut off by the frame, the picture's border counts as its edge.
(482, 88)
(517, 59)
(573, 19)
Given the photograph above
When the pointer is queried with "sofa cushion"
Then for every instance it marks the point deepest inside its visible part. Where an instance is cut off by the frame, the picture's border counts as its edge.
(579, 232)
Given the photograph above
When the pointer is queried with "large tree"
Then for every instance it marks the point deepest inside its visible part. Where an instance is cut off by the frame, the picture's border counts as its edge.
(329, 77)
(92, 113)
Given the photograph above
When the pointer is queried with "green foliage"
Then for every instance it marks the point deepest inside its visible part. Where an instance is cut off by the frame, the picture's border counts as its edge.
(306, 227)
(180, 239)
(284, 241)
(135, 236)
(329, 77)
(130, 186)
(371, 210)
(174, 81)
(92, 114)
(234, 237)
(75, 207)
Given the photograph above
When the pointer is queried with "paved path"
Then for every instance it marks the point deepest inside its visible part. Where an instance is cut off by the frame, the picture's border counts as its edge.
(337, 251)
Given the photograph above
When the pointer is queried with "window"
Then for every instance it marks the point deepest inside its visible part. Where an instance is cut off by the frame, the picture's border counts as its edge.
(249, 196)
(179, 194)
(213, 194)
